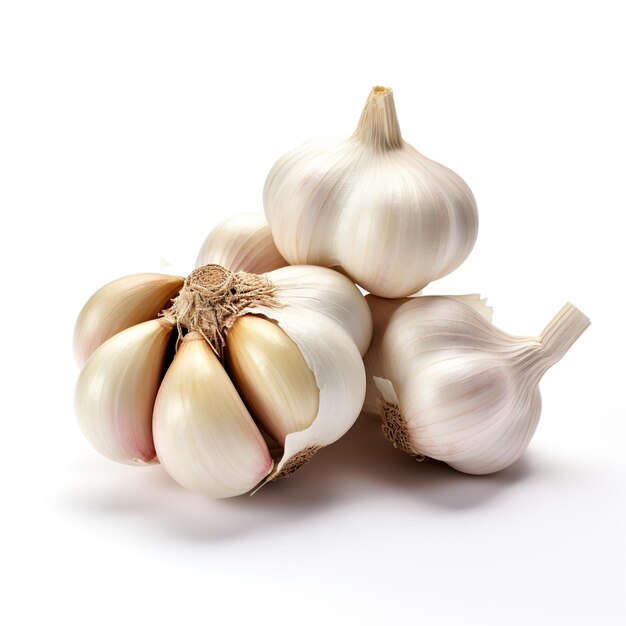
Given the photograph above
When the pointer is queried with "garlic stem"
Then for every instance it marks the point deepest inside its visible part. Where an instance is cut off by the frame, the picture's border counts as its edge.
(378, 126)
(558, 337)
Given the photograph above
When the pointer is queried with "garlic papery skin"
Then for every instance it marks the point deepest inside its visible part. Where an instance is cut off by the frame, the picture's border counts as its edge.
(116, 390)
(329, 293)
(337, 366)
(372, 205)
(272, 376)
(205, 438)
(454, 387)
(121, 304)
(242, 243)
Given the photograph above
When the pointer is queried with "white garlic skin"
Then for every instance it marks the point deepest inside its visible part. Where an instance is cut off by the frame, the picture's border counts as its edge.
(382, 309)
(328, 292)
(372, 205)
(467, 391)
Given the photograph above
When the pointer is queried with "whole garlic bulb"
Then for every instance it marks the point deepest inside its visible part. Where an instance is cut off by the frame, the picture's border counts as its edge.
(278, 354)
(371, 206)
(454, 387)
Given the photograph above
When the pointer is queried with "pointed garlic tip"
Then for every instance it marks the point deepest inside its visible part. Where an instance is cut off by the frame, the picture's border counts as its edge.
(272, 375)
(559, 336)
(116, 390)
(204, 436)
(121, 304)
(242, 243)
(379, 127)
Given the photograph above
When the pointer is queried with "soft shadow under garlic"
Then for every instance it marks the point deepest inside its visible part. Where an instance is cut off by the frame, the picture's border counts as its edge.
(361, 467)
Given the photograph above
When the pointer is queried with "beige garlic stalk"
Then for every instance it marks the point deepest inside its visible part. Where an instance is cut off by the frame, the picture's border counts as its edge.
(275, 354)
(371, 206)
(453, 387)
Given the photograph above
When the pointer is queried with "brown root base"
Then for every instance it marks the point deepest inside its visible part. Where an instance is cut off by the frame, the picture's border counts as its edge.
(212, 299)
(295, 462)
(394, 428)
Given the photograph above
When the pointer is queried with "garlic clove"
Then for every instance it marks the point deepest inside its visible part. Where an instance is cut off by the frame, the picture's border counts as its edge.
(116, 390)
(336, 363)
(242, 243)
(327, 292)
(204, 436)
(121, 304)
(272, 376)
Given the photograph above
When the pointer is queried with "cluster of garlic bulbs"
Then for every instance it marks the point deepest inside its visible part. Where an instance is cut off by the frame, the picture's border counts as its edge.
(238, 364)
(240, 372)
(447, 384)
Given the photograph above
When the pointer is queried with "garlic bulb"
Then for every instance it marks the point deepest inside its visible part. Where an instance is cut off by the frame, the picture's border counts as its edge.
(454, 387)
(278, 354)
(371, 206)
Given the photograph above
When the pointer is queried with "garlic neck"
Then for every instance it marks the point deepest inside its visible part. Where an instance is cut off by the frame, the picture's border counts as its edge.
(378, 127)
(213, 297)
(556, 339)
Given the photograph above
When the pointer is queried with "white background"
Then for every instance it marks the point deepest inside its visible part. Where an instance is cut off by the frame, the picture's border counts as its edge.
(128, 129)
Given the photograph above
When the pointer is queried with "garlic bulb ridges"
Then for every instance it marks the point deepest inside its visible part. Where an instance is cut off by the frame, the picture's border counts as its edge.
(454, 387)
(116, 390)
(371, 205)
(242, 243)
(272, 375)
(121, 304)
(204, 436)
(382, 309)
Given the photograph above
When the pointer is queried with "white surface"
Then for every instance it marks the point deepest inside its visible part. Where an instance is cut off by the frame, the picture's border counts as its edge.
(127, 129)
